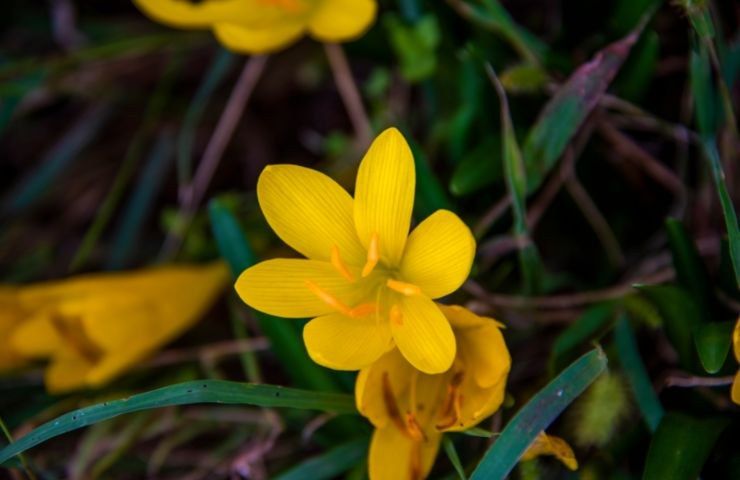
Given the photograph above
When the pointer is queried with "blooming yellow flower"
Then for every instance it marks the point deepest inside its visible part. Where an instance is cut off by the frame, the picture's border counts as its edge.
(367, 281)
(95, 327)
(735, 391)
(550, 445)
(410, 409)
(261, 26)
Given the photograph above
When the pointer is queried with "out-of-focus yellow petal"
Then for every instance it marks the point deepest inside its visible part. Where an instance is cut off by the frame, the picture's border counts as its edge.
(344, 343)
(36, 338)
(736, 340)
(735, 392)
(281, 287)
(384, 195)
(342, 20)
(481, 345)
(394, 456)
(258, 40)
(183, 13)
(423, 334)
(310, 212)
(66, 372)
(11, 317)
(369, 385)
(550, 445)
(439, 254)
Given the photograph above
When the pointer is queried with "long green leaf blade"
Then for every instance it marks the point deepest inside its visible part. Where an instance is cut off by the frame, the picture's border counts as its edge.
(205, 391)
(538, 414)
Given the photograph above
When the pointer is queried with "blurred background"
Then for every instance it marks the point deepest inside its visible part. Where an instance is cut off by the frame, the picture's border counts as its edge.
(105, 116)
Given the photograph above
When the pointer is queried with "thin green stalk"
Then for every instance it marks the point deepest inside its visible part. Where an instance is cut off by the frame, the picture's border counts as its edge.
(22, 457)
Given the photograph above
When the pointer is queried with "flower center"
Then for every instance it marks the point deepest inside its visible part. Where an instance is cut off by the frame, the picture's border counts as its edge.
(407, 423)
(377, 285)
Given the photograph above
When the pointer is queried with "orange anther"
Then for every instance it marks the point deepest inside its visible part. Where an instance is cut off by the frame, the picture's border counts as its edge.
(407, 289)
(373, 255)
(336, 261)
(396, 315)
(363, 310)
(328, 298)
(414, 429)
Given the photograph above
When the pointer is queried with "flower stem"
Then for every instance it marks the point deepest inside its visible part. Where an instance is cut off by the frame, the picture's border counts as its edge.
(350, 93)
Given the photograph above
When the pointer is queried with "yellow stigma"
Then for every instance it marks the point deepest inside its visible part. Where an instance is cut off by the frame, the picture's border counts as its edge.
(373, 255)
(336, 304)
(407, 289)
(336, 261)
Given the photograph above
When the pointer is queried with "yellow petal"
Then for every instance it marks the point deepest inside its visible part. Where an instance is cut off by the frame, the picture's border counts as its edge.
(439, 254)
(183, 13)
(735, 392)
(394, 456)
(36, 338)
(550, 445)
(423, 334)
(310, 212)
(481, 345)
(258, 40)
(342, 20)
(66, 372)
(344, 343)
(280, 287)
(384, 194)
(369, 385)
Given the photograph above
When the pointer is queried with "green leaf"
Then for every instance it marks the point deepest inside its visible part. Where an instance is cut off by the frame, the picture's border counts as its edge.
(283, 334)
(453, 456)
(713, 341)
(568, 108)
(706, 100)
(478, 168)
(680, 447)
(634, 369)
(681, 318)
(329, 465)
(592, 323)
(538, 414)
(204, 391)
(690, 269)
(635, 77)
(415, 45)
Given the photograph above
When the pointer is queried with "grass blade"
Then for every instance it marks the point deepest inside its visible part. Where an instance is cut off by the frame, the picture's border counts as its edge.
(453, 456)
(538, 414)
(680, 447)
(567, 110)
(637, 376)
(329, 465)
(204, 391)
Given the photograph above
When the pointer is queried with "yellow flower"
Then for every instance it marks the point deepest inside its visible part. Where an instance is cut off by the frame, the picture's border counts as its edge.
(367, 281)
(11, 316)
(410, 409)
(261, 26)
(95, 327)
(735, 392)
(550, 445)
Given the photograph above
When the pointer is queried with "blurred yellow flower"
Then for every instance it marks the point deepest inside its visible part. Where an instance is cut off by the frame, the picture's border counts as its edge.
(410, 409)
(262, 26)
(735, 391)
(369, 283)
(94, 327)
(550, 445)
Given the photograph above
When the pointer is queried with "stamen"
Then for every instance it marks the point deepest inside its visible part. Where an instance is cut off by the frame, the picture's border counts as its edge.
(414, 429)
(396, 315)
(452, 409)
(336, 261)
(328, 298)
(363, 310)
(373, 255)
(407, 289)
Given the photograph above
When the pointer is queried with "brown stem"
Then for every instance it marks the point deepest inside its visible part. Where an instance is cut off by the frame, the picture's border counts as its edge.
(350, 94)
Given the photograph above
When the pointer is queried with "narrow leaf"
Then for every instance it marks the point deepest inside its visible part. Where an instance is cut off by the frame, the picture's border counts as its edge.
(204, 391)
(680, 447)
(689, 267)
(538, 414)
(586, 328)
(634, 369)
(453, 456)
(713, 342)
(568, 108)
(329, 465)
